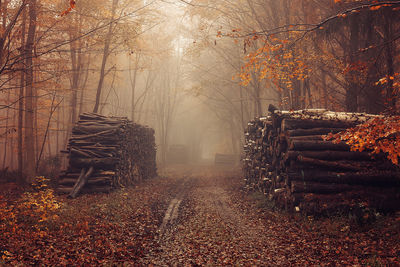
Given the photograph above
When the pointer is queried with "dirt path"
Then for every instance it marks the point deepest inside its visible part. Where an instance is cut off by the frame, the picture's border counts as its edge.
(210, 221)
(202, 226)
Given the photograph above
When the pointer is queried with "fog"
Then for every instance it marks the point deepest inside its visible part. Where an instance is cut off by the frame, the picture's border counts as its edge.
(174, 75)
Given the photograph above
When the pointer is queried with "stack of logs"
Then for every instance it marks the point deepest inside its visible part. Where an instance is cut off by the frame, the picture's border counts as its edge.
(288, 158)
(107, 153)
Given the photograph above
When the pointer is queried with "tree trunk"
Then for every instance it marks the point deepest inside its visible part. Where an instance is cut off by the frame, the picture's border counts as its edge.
(389, 49)
(351, 77)
(106, 52)
(21, 104)
(29, 102)
(76, 61)
(133, 84)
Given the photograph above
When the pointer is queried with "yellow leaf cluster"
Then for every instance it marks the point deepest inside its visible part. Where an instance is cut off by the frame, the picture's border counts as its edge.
(33, 208)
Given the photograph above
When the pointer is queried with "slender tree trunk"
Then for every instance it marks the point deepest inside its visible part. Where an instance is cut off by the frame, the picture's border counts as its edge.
(58, 133)
(308, 88)
(12, 140)
(21, 104)
(35, 115)
(389, 49)
(133, 85)
(53, 108)
(241, 108)
(29, 103)
(76, 62)
(6, 133)
(325, 90)
(351, 77)
(106, 52)
(83, 85)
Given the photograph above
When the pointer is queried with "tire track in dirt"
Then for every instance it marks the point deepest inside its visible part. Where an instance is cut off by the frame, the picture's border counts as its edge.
(170, 215)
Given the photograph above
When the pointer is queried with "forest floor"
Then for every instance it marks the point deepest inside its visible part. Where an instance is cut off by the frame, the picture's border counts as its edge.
(189, 216)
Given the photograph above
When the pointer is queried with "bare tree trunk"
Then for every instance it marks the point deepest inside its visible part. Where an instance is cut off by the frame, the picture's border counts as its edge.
(106, 52)
(325, 90)
(58, 133)
(21, 103)
(308, 88)
(6, 132)
(389, 48)
(29, 103)
(133, 84)
(241, 108)
(53, 108)
(83, 85)
(76, 61)
(352, 89)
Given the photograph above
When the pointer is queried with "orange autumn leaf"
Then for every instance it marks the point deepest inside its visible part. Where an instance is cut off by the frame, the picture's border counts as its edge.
(375, 7)
(72, 4)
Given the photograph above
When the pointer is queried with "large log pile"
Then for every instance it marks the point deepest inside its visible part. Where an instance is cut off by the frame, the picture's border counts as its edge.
(107, 153)
(287, 157)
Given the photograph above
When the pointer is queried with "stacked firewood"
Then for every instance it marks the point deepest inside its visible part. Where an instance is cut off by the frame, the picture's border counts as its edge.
(287, 156)
(107, 153)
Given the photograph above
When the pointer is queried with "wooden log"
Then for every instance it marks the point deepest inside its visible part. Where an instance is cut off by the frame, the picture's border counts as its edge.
(313, 131)
(88, 136)
(291, 124)
(80, 143)
(322, 114)
(330, 155)
(105, 173)
(303, 137)
(79, 153)
(330, 164)
(91, 153)
(381, 178)
(101, 163)
(98, 147)
(314, 145)
(349, 165)
(81, 182)
(104, 140)
(83, 129)
(319, 188)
